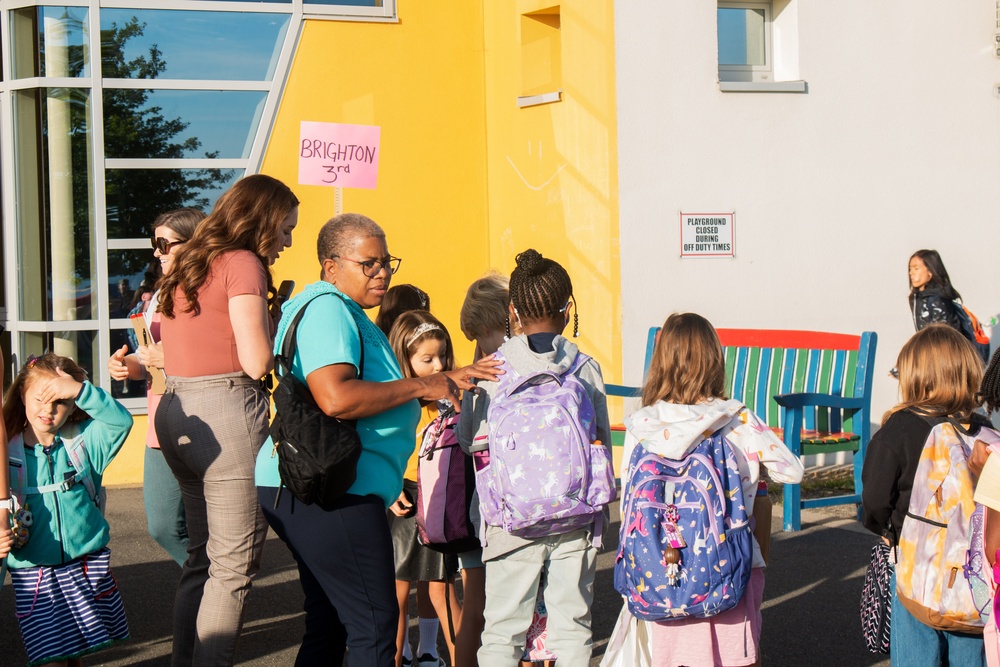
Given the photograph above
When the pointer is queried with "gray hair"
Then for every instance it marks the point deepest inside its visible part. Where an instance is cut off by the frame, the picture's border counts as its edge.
(338, 230)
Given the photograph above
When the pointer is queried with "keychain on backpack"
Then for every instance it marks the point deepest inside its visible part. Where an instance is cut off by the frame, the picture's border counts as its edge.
(672, 554)
(22, 521)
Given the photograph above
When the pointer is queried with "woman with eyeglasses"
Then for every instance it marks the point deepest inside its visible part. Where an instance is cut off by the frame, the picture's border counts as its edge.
(344, 552)
(160, 491)
(213, 417)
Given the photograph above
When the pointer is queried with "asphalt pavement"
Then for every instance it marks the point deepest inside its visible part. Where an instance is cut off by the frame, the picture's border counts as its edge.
(810, 610)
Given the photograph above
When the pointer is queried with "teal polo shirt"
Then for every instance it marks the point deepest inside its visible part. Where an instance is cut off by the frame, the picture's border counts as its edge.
(328, 334)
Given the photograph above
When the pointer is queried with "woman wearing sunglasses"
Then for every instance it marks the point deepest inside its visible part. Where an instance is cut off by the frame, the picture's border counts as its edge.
(212, 419)
(160, 491)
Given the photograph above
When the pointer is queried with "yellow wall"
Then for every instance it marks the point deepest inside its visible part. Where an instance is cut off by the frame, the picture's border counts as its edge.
(421, 81)
(553, 168)
(466, 178)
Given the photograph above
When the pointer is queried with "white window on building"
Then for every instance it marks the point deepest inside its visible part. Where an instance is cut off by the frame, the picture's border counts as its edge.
(744, 31)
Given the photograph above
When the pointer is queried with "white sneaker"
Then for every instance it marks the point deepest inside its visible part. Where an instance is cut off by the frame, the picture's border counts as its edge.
(427, 660)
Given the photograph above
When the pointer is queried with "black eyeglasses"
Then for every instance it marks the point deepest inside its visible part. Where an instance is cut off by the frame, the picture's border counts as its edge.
(373, 267)
(163, 245)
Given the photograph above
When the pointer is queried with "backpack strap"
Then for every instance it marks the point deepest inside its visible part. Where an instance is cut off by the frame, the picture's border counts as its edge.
(77, 452)
(284, 360)
(15, 455)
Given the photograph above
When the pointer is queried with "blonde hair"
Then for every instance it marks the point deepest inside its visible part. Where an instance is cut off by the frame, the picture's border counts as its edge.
(939, 374)
(404, 343)
(485, 306)
(14, 416)
(687, 366)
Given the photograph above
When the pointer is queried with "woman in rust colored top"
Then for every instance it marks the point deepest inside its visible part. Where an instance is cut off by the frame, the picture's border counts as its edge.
(212, 420)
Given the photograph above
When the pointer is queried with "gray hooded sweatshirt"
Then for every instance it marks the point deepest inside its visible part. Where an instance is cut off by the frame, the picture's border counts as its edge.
(473, 430)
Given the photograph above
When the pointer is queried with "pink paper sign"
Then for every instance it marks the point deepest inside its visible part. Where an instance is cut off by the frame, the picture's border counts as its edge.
(344, 156)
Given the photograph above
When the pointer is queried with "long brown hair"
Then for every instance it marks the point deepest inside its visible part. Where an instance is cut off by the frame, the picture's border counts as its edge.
(404, 343)
(247, 217)
(14, 416)
(939, 374)
(687, 365)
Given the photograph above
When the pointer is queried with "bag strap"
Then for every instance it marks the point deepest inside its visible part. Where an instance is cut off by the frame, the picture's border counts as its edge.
(289, 342)
(77, 453)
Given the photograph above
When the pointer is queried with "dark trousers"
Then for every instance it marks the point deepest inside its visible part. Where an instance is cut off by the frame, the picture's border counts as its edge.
(346, 571)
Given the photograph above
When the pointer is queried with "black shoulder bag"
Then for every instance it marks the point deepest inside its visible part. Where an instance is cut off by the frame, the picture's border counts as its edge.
(317, 454)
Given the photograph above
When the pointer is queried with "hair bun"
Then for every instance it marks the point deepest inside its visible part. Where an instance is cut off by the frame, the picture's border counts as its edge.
(532, 262)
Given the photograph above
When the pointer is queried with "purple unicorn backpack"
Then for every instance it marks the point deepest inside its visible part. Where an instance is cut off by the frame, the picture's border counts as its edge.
(685, 548)
(546, 475)
(445, 485)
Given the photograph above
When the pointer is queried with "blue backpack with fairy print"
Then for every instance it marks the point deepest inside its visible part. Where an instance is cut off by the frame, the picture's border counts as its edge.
(685, 548)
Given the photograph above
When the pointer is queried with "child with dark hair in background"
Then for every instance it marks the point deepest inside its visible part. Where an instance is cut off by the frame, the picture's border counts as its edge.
(63, 433)
(932, 297)
(398, 300)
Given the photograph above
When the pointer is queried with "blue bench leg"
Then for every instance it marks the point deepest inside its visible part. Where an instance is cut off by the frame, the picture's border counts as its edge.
(793, 507)
(859, 459)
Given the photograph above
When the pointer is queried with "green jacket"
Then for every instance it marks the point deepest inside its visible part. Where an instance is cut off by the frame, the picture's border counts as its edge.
(67, 524)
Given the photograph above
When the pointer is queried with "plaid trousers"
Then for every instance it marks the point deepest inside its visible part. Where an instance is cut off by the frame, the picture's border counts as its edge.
(210, 429)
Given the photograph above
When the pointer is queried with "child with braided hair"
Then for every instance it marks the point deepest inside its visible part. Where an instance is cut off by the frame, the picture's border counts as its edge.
(541, 295)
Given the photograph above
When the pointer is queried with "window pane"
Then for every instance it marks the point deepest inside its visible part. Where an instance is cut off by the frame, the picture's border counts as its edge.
(131, 276)
(348, 3)
(149, 43)
(741, 36)
(180, 123)
(125, 388)
(50, 41)
(136, 196)
(80, 346)
(53, 172)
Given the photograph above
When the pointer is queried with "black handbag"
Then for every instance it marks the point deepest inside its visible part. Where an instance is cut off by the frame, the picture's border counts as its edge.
(876, 599)
(317, 454)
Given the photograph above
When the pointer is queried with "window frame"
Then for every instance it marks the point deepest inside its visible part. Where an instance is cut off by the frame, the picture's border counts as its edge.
(749, 73)
(103, 324)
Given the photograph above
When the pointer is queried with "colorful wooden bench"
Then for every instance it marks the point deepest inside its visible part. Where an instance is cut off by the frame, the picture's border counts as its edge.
(812, 388)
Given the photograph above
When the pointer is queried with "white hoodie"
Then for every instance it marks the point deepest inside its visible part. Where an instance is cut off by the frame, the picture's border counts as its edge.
(672, 430)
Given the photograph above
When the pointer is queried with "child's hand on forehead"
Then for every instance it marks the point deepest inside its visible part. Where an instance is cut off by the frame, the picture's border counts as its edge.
(59, 388)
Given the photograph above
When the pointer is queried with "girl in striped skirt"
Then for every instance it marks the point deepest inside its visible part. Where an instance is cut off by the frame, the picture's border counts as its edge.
(63, 433)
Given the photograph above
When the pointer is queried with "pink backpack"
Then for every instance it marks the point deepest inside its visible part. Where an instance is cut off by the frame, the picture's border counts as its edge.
(445, 484)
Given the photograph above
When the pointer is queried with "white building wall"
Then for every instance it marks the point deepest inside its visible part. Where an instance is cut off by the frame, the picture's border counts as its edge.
(895, 147)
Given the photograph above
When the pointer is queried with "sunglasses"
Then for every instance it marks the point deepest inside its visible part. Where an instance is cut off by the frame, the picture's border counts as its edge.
(163, 245)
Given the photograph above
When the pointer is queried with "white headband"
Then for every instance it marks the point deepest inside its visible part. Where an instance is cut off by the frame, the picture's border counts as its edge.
(420, 331)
